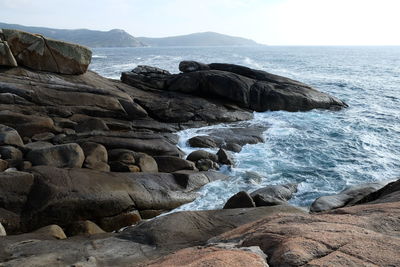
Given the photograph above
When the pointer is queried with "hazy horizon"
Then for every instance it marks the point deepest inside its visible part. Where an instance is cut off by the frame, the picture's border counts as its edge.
(272, 22)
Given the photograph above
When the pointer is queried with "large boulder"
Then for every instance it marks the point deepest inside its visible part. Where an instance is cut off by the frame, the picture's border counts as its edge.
(14, 190)
(40, 53)
(172, 164)
(240, 200)
(273, 194)
(347, 197)
(62, 156)
(61, 196)
(96, 156)
(253, 89)
(201, 154)
(9, 136)
(6, 56)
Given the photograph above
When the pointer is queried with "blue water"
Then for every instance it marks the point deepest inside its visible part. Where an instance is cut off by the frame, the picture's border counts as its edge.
(323, 151)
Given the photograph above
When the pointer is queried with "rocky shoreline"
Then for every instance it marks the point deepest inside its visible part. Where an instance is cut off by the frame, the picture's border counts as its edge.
(83, 156)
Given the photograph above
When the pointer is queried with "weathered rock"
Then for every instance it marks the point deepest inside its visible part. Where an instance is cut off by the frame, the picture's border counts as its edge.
(204, 141)
(3, 165)
(37, 145)
(191, 180)
(60, 196)
(53, 231)
(189, 66)
(136, 245)
(96, 157)
(2, 230)
(274, 194)
(119, 221)
(14, 190)
(201, 154)
(118, 166)
(146, 163)
(43, 137)
(92, 124)
(6, 56)
(172, 164)
(148, 214)
(206, 164)
(224, 157)
(232, 147)
(62, 156)
(361, 235)
(257, 90)
(83, 228)
(26, 125)
(122, 155)
(146, 76)
(10, 221)
(388, 193)
(40, 53)
(9, 136)
(212, 256)
(240, 200)
(10, 153)
(347, 197)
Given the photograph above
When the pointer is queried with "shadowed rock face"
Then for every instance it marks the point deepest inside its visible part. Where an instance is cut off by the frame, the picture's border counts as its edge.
(39, 53)
(248, 88)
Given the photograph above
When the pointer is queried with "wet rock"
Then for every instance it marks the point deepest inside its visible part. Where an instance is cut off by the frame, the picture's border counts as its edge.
(347, 197)
(39, 53)
(206, 164)
(232, 147)
(224, 157)
(6, 56)
(119, 221)
(83, 228)
(96, 157)
(62, 156)
(189, 66)
(240, 200)
(53, 231)
(9, 136)
(191, 180)
(201, 154)
(172, 164)
(388, 193)
(274, 194)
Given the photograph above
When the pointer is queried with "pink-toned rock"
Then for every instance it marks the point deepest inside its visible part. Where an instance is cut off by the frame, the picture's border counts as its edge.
(211, 256)
(364, 235)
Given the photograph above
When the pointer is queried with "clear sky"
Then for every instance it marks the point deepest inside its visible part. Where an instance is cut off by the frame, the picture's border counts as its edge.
(274, 22)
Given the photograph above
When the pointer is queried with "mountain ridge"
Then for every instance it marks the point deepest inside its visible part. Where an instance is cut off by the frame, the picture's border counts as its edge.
(121, 38)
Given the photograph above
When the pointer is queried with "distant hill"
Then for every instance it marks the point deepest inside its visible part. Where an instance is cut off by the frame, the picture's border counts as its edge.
(199, 39)
(112, 38)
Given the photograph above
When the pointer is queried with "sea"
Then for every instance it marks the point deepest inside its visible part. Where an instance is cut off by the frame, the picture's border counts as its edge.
(323, 151)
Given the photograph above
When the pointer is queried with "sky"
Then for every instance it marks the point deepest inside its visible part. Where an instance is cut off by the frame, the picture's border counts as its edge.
(272, 22)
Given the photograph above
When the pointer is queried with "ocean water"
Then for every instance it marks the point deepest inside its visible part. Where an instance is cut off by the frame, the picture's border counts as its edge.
(324, 151)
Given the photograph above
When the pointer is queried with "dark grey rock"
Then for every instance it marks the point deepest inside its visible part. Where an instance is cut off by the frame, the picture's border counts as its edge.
(274, 194)
(240, 200)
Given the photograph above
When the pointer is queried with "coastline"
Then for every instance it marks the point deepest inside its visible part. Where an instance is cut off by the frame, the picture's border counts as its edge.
(82, 151)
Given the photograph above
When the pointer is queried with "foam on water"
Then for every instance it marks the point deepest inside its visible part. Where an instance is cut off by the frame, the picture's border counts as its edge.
(324, 151)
